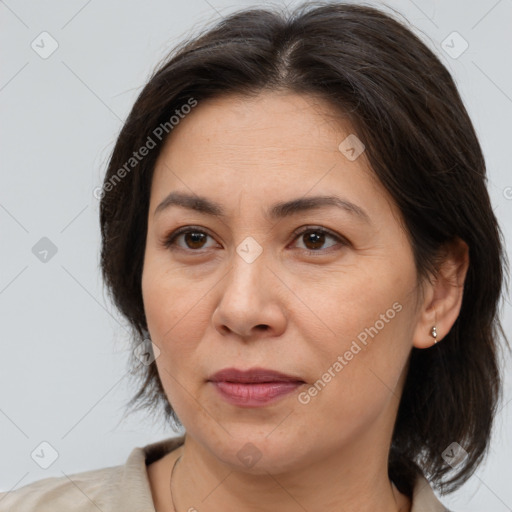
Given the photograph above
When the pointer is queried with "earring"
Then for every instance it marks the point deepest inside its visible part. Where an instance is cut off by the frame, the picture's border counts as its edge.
(433, 333)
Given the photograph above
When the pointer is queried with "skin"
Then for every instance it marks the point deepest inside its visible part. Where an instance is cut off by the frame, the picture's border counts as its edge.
(205, 310)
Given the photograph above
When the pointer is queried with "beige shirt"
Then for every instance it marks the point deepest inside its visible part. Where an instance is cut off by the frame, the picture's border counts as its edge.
(126, 488)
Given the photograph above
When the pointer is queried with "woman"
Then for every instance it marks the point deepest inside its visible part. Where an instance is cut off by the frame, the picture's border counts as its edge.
(296, 224)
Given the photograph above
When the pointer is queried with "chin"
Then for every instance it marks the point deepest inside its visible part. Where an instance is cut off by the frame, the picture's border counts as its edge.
(257, 452)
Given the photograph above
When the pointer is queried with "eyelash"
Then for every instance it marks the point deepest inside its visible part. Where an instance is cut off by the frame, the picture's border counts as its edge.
(170, 239)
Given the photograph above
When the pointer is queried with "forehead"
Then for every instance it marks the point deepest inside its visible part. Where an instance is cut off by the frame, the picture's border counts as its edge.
(271, 121)
(274, 145)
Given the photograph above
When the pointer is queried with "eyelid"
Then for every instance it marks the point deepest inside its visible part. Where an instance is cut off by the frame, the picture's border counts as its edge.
(320, 229)
(169, 238)
(312, 227)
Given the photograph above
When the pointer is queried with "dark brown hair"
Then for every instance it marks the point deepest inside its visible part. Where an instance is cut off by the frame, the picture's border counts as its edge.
(403, 104)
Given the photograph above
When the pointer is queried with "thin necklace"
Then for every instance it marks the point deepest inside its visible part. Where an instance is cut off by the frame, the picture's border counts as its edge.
(170, 483)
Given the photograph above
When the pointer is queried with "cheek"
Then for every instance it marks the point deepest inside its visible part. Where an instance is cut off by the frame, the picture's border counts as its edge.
(365, 339)
(168, 304)
(178, 313)
(172, 322)
(361, 304)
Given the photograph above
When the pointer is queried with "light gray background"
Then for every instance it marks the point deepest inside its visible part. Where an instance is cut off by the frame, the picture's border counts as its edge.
(63, 368)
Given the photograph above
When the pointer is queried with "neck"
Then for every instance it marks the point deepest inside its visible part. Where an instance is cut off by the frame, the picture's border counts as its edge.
(341, 481)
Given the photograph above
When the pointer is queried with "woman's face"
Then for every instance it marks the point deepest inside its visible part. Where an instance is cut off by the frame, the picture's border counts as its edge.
(337, 310)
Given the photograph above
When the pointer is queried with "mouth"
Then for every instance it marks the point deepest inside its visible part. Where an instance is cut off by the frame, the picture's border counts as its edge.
(251, 376)
(254, 387)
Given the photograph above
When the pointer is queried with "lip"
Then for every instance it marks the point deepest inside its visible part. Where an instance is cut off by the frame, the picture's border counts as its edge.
(255, 387)
(252, 375)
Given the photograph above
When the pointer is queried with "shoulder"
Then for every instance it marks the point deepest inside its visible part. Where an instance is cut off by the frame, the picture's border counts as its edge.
(80, 492)
(125, 487)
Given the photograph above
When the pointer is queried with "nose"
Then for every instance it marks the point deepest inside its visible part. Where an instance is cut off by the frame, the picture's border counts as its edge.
(251, 304)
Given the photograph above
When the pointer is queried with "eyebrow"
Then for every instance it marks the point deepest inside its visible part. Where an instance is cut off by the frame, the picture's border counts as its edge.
(277, 211)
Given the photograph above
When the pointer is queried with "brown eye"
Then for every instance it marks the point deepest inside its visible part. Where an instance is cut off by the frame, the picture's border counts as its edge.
(314, 239)
(194, 239)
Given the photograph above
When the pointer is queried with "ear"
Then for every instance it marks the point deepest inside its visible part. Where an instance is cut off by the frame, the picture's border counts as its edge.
(443, 297)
